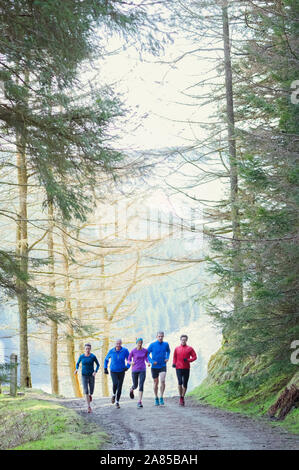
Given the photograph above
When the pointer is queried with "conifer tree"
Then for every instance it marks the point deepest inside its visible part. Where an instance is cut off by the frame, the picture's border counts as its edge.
(58, 131)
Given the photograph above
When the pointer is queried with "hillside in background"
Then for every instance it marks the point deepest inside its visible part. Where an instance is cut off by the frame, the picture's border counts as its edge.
(166, 303)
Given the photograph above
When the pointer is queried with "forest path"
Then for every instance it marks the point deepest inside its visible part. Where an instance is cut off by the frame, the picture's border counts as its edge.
(171, 427)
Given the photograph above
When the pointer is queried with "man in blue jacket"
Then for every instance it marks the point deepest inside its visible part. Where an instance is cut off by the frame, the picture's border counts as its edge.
(118, 367)
(158, 355)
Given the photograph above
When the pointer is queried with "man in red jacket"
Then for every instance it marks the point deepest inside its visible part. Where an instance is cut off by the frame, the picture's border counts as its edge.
(182, 357)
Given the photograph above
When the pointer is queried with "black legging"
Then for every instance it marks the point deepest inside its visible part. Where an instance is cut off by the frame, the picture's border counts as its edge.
(117, 380)
(140, 375)
(183, 377)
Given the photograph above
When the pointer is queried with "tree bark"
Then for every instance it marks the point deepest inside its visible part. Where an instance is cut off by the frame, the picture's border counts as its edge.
(105, 349)
(106, 337)
(70, 344)
(53, 324)
(79, 303)
(235, 218)
(22, 253)
(285, 402)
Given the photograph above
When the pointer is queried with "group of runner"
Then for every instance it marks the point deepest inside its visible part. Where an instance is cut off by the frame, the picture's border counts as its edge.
(155, 356)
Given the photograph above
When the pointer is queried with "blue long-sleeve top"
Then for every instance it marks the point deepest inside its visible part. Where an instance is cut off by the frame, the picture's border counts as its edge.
(118, 360)
(88, 364)
(159, 352)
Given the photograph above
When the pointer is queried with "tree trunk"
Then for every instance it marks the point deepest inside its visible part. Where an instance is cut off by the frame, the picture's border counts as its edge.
(235, 218)
(106, 337)
(79, 303)
(53, 324)
(22, 252)
(105, 377)
(72, 362)
(70, 344)
(288, 399)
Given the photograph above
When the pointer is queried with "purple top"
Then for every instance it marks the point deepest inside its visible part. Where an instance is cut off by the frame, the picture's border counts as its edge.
(139, 357)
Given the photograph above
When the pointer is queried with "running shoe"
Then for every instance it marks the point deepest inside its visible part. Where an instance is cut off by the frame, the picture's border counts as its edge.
(139, 405)
(131, 393)
(90, 398)
(162, 401)
(157, 401)
(89, 410)
(113, 399)
(181, 401)
(117, 405)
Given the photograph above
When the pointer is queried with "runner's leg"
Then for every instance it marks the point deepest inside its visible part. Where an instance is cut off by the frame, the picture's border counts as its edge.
(141, 383)
(114, 382)
(87, 400)
(135, 380)
(185, 381)
(121, 376)
(156, 385)
(162, 377)
(135, 384)
(91, 385)
(85, 389)
(180, 381)
(155, 376)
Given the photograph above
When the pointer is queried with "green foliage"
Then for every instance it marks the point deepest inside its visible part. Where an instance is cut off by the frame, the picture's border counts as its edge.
(266, 322)
(36, 421)
(247, 403)
(47, 113)
(42, 304)
(4, 373)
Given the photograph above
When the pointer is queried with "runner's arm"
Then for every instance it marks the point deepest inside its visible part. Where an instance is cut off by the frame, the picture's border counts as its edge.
(146, 357)
(193, 356)
(107, 360)
(167, 352)
(78, 362)
(174, 358)
(127, 357)
(130, 357)
(97, 363)
(149, 351)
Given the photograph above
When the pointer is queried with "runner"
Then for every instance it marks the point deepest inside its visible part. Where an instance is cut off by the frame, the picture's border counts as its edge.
(182, 357)
(88, 373)
(137, 359)
(160, 353)
(118, 368)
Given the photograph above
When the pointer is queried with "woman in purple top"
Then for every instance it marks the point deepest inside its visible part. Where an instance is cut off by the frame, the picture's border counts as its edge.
(137, 358)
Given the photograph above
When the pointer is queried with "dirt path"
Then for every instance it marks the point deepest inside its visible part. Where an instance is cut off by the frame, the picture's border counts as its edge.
(171, 427)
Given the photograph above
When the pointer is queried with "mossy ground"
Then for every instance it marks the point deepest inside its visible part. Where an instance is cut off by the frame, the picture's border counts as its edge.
(254, 403)
(36, 421)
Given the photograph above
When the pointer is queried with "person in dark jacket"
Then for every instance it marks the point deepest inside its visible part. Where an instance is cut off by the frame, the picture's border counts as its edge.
(88, 373)
(118, 367)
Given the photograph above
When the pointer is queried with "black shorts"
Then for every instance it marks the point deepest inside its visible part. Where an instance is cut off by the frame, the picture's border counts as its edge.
(183, 376)
(156, 372)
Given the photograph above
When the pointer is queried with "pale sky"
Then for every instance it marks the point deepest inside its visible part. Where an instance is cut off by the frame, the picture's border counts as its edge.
(152, 90)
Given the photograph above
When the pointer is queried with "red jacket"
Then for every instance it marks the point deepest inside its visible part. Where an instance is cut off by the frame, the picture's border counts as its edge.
(181, 353)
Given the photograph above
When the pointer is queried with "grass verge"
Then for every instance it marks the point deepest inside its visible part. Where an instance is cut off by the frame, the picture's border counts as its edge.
(252, 404)
(35, 421)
